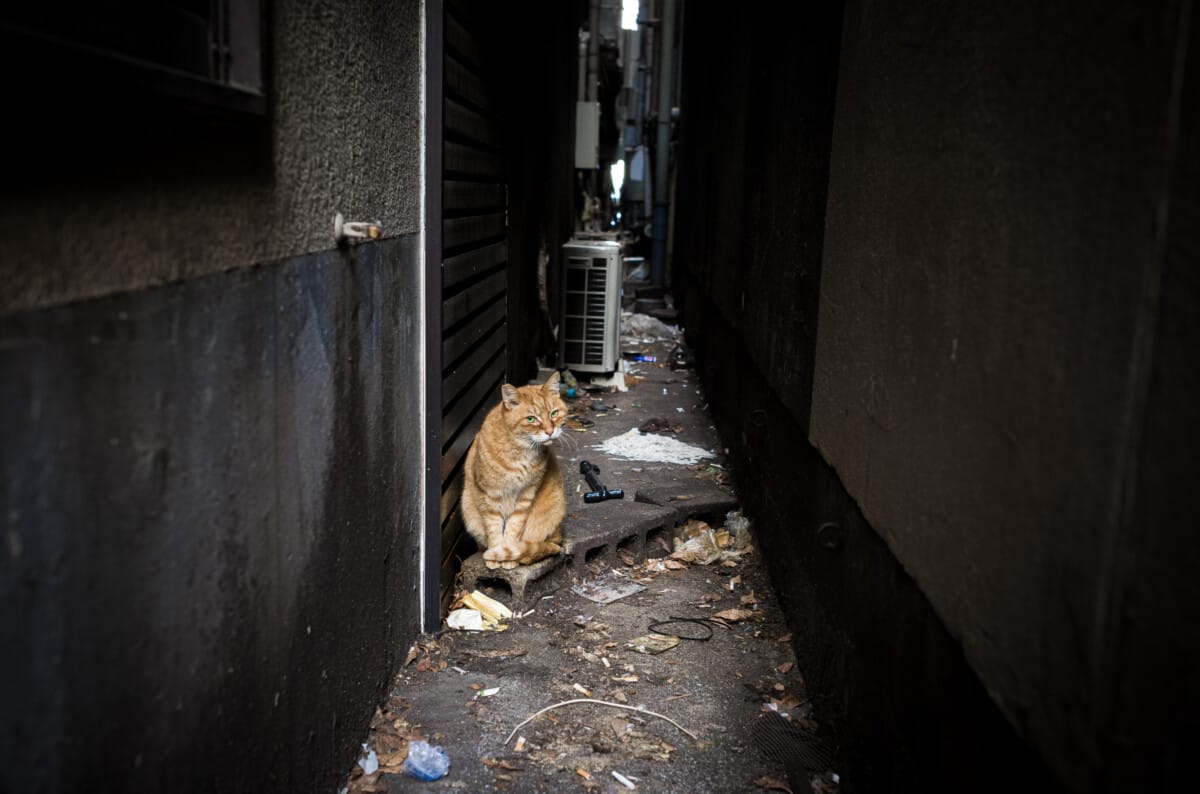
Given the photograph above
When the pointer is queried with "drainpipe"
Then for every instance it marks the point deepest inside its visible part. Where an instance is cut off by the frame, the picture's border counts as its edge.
(593, 50)
(583, 65)
(663, 78)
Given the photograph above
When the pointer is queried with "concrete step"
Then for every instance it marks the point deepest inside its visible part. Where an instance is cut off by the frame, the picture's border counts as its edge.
(595, 532)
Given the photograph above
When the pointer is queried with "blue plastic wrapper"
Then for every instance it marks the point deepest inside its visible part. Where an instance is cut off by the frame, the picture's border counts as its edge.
(425, 762)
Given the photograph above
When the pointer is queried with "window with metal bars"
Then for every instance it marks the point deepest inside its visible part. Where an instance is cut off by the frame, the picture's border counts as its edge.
(207, 53)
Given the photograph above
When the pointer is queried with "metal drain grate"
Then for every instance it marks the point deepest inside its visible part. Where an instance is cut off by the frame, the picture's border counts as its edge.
(801, 752)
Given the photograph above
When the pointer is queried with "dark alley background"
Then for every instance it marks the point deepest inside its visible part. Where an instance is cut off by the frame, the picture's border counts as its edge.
(937, 263)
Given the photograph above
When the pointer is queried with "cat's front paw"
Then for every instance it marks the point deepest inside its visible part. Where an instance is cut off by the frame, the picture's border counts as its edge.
(497, 558)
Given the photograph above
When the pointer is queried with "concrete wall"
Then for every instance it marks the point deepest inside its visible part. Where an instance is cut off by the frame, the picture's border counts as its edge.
(997, 230)
(211, 472)
(974, 341)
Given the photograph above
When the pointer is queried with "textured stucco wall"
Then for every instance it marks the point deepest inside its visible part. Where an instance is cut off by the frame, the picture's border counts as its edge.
(210, 430)
(993, 252)
(124, 198)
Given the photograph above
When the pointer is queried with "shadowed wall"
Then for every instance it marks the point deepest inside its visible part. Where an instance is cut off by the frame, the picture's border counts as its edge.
(957, 252)
(211, 424)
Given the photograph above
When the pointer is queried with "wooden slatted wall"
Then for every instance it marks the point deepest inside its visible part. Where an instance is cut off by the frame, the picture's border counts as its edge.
(474, 265)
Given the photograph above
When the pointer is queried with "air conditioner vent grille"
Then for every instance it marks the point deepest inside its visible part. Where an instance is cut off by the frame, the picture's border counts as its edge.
(591, 306)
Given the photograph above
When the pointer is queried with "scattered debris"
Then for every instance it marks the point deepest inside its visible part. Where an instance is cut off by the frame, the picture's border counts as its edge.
(653, 643)
(520, 745)
(615, 382)
(598, 493)
(492, 609)
(661, 426)
(580, 424)
(624, 781)
(569, 387)
(498, 653)
(370, 764)
(698, 543)
(478, 612)
(465, 620)
(426, 762)
(739, 527)
(681, 357)
(636, 445)
(607, 589)
(772, 784)
(637, 328)
(703, 623)
(635, 709)
(735, 615)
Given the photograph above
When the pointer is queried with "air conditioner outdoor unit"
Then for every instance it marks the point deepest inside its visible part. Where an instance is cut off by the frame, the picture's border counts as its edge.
(589, 336)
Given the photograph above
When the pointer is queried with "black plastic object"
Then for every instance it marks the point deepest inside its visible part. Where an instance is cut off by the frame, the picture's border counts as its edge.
(598, 493)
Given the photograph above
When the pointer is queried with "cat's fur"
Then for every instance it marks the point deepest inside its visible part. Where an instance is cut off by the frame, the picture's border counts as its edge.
(512, 498)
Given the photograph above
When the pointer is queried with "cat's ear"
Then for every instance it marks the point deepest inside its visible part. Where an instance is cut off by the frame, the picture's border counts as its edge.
(509, 395)
(552, 382)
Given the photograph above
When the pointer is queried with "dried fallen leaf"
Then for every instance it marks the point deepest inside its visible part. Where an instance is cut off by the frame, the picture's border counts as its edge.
(786, 667)
(786, 637)
(412, 655)
(772, 784)
(674, 565)
(734, 615)
(746, 600)
(627, 557)
(391, 762)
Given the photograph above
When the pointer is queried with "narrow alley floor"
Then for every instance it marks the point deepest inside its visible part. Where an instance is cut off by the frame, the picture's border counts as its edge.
(722, 710)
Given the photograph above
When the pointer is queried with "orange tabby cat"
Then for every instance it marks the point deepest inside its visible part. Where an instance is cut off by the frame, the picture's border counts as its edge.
(512, 499)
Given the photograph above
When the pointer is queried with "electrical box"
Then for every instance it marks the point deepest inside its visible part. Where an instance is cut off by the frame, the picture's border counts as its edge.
(587, 135)
(589, 335)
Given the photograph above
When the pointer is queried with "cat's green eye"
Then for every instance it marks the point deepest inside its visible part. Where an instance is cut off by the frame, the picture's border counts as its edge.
(554, 413)
(531, 419)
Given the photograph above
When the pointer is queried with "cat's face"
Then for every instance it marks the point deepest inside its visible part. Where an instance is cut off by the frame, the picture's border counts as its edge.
(535, 414)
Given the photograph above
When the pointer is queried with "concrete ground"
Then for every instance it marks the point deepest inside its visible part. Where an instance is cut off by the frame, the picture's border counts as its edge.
(468, 691)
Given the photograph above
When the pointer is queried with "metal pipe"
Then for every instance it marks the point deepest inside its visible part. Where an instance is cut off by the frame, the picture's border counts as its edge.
(583, 65)
(593, 50)
(664, 77)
